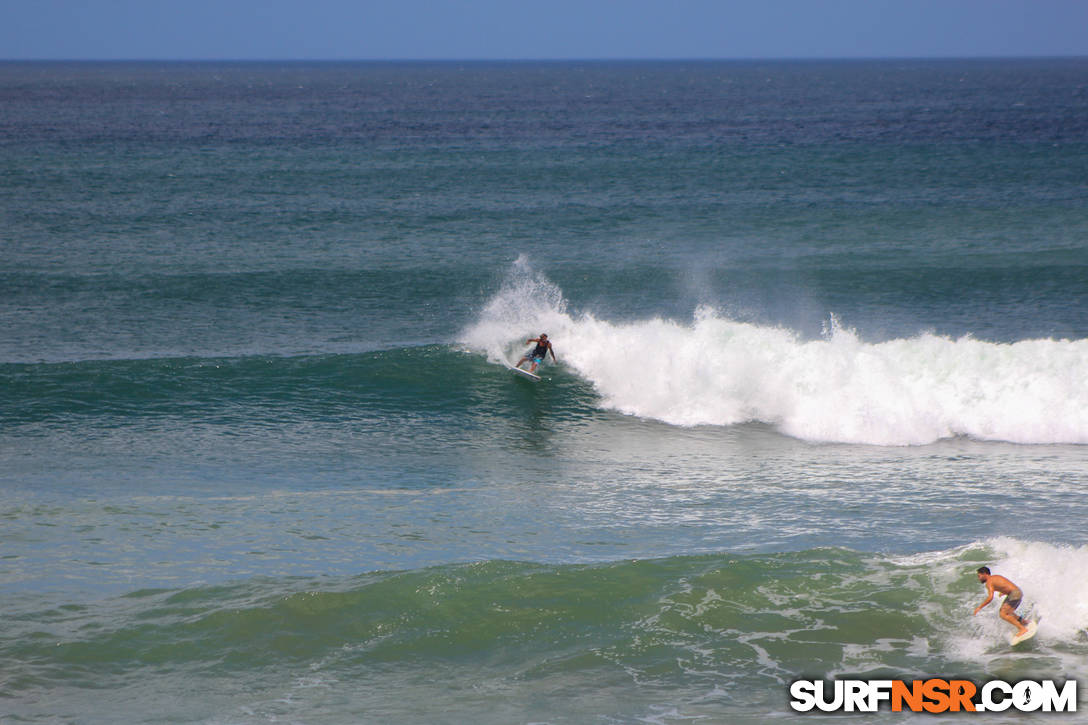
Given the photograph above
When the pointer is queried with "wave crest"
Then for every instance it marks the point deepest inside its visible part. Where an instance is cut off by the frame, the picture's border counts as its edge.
(718, 371)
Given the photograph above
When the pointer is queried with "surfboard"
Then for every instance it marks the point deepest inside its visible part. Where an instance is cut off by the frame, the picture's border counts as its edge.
(525, 374)
(1033, 627)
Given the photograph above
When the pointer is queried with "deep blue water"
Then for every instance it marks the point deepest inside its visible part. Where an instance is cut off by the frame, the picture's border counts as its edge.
(822, 351)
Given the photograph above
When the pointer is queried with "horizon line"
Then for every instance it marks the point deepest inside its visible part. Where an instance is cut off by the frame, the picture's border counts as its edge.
(616, 59)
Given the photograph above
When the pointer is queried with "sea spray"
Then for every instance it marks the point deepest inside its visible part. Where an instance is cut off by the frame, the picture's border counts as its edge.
(1050, 575)
(526, 305)
(841, 389)
(1052, 579)
(253, 471)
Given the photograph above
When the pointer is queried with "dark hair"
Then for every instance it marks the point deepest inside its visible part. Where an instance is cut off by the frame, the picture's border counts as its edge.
(983, 570)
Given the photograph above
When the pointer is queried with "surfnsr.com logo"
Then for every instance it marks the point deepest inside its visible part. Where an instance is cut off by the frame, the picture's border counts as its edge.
(933, 695)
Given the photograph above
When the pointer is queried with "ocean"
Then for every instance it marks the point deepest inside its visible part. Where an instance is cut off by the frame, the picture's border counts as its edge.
(821, 333)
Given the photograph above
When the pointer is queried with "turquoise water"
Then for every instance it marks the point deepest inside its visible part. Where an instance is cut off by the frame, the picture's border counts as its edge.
(821, 345)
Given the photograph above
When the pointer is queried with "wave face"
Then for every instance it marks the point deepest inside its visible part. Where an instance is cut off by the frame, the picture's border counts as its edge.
(199, 388)
(261, 461)
(717, 371)
(707, 631)
(708, 371)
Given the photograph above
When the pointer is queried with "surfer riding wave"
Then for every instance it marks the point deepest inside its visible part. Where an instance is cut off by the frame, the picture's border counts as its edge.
(995, 583)
(542, 349)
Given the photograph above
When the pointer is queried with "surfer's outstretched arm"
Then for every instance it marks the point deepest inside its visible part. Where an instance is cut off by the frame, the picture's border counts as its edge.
(989, 591)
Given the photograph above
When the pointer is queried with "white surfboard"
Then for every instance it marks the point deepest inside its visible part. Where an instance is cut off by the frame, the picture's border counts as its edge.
(525, 373)
(1033, 627)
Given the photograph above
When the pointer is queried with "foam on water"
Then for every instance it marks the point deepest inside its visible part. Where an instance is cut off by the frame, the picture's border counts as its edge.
(526, 304)
(1052, 578)
(712, 631)
(717, 371)
(1054, 593)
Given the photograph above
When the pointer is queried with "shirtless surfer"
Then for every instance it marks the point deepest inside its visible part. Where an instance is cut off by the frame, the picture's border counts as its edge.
(1013, 596)
(543, 347)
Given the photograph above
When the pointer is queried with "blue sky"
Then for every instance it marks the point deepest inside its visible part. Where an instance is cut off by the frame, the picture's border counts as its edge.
(522, 29)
